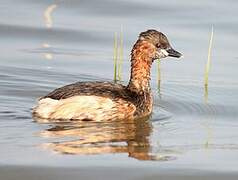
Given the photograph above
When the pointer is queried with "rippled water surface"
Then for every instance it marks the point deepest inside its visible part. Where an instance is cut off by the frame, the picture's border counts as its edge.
(47, 44)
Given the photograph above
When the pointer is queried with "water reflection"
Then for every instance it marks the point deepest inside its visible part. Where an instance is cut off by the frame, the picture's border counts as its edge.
(86, 138)
(48, 23)
(49, 55)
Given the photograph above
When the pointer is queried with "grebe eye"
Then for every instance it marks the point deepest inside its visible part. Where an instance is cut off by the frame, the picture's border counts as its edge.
(158, 45)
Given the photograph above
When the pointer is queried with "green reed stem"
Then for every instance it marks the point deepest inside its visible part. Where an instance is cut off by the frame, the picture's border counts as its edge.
(120, 56)
(115, 54)
(158, 75)
(208, 59)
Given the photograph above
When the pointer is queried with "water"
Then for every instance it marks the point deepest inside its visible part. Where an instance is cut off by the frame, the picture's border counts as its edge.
(47, 44)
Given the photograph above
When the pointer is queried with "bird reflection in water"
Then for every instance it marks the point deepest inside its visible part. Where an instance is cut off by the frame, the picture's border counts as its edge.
(88, 138)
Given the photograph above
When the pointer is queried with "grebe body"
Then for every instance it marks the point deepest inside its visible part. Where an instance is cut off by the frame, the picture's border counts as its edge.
(105, 101)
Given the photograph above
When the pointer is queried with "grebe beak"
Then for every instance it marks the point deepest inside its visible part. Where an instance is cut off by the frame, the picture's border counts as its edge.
(172, 53)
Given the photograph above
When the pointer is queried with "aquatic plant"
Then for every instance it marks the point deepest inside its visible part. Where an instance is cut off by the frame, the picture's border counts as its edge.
(208, 65)
(118, 56)
(158, 76)
(115, 50)
(48, 15)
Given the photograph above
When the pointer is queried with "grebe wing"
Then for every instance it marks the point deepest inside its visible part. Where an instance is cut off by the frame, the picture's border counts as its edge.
(105, 89)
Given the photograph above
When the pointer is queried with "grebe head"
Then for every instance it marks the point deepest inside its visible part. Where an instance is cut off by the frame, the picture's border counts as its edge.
(160, 42)
(151, 45)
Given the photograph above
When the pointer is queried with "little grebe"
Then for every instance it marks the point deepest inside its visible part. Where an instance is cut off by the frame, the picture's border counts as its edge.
(105, 101)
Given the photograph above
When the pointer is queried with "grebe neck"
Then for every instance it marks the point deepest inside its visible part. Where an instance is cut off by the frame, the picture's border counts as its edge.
(141, 60)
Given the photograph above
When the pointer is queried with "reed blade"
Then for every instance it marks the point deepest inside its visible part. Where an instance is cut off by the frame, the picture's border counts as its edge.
(115, 56)
(120, 56)
(208, 65)
(158, 76)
